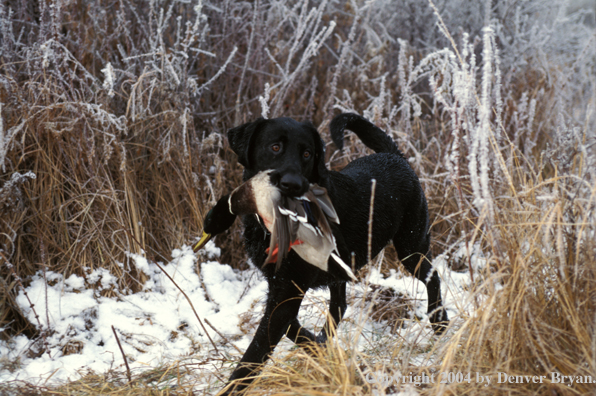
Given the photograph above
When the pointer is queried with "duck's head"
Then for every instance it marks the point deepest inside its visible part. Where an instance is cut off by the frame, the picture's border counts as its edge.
(258, 195)
(218, 219)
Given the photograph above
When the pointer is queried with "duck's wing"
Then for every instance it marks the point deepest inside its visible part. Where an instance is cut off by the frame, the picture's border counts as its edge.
(324, 202)
(294, 215)
(316, 214)
(304, 216)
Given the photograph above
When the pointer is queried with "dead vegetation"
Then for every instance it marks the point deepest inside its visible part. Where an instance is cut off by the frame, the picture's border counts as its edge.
(112, 141)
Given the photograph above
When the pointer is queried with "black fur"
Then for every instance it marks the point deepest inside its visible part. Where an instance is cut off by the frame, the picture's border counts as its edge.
(400, 217)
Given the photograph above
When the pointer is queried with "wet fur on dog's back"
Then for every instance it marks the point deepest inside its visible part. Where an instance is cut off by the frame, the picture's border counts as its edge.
(295, 151)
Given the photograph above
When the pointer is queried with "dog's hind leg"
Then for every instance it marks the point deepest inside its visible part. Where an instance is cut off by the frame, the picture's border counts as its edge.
(337, 290)
(283, 303)
(299, 334)
(337, 308)
(418, 264)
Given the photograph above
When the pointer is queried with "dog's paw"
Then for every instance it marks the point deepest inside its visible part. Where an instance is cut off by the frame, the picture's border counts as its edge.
(321, 338)
(231, 390)
(439, 320)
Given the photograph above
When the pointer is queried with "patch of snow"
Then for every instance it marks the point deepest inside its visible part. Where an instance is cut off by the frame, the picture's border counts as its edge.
(158, 325)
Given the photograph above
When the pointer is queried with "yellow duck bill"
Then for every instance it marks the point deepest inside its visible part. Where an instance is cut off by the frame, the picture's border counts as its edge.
(199, 245)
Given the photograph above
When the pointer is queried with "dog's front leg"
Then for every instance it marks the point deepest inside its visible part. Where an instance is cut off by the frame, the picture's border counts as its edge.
(283, 303)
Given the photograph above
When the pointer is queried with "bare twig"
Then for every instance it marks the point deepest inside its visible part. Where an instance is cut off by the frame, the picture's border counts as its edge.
(370, 219)
(246, 60)
(42, 330)
(181, 291)
(191, 306)
(123, 355)
(45, 281)
(223, 336)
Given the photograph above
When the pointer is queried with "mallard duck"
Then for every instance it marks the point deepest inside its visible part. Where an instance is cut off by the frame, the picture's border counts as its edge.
(300, 223)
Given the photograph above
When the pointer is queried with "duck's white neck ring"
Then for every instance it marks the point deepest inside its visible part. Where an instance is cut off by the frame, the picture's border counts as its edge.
(230, 204)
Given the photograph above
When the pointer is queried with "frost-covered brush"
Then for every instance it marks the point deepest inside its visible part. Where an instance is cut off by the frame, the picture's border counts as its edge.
(300, 223)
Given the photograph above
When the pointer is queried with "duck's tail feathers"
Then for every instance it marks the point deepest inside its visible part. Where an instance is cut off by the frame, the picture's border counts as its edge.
(343, 265)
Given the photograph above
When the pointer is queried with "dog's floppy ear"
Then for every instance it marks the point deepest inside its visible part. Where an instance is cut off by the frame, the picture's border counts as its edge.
(240, 139)
(319, 170)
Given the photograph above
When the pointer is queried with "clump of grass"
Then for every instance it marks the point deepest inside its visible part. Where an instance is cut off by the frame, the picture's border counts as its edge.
(328, 370)
(538, 317)
(173, 379)
(389, 306)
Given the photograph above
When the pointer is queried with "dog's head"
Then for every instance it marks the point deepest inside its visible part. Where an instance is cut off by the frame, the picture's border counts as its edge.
(294, 150)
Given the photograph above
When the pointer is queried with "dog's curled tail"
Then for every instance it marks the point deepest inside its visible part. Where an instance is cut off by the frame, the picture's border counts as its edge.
(371, 135)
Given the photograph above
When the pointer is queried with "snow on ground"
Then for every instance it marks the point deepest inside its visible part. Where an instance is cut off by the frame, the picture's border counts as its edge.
(157, 325)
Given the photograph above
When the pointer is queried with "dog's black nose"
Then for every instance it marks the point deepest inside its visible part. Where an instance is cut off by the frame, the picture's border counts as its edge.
(292, 185)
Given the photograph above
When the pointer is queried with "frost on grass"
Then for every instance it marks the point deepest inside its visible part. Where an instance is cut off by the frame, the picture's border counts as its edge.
(11, 195)
(108, 83)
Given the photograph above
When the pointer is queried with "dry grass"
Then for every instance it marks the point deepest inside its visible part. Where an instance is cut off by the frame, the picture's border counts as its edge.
(129, 160)
(170, 380)
(542, 319)
(318, 371)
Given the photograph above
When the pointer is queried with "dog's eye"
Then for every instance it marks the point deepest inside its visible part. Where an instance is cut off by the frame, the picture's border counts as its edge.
(276, 147)
(306, 154)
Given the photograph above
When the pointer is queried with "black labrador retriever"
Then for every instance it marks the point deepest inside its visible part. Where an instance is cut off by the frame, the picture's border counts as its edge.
(295, 151)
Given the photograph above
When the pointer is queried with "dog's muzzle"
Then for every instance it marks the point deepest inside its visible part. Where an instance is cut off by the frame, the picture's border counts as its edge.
(292, 184)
